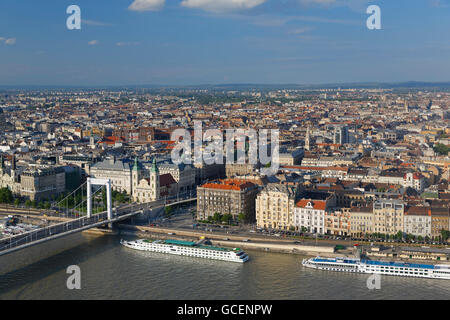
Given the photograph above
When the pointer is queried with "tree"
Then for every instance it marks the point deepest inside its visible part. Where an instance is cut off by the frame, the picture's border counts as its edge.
(441, 149)
(217, 217)
(168, 211)
(17, 202)
(6, 196)
(445, 234)
(226, 218)
(242, 218)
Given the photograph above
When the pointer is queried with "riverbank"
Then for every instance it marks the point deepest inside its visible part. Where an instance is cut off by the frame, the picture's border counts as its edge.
(270, 245)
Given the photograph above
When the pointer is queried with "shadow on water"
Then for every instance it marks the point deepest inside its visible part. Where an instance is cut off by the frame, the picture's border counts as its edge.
(43, 268)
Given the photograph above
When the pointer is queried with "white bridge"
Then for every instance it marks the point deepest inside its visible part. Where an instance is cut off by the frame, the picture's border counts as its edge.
(75, 223)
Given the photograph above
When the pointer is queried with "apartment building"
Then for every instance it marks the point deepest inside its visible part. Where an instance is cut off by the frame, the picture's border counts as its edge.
(229, 196)
(361, 221)
(414, 180)
(337, 222)
(275, 206)
(42, 183)
(417, 221)
(388, 216)
(439, 221)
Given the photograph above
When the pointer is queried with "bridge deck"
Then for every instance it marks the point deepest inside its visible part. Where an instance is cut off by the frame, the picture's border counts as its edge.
(63, 229)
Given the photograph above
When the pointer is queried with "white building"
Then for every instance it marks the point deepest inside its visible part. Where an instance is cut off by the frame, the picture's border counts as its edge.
(415, 181)
(417, 221)
(310, 214)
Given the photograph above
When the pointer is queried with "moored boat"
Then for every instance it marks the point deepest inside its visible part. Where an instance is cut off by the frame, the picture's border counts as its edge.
(379, 267)
(188, 248)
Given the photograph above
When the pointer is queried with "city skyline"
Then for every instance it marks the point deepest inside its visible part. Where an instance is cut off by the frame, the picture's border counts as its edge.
(188, 42)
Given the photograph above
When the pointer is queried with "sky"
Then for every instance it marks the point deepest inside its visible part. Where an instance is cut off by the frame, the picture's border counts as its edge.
(193, 42)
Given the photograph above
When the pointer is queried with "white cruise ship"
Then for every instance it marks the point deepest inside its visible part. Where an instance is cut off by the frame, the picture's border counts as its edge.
(187, 248)
(379, 267)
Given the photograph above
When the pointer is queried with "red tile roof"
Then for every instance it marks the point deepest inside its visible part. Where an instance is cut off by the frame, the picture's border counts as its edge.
(316, 204)
(229, 184)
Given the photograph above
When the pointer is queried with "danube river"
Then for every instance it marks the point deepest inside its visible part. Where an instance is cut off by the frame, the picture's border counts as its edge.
(110, 271)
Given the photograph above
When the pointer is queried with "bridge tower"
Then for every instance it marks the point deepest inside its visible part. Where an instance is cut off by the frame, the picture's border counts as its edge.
(99, 182)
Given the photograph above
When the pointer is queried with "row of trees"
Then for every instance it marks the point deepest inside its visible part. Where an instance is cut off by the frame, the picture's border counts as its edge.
(445, 235)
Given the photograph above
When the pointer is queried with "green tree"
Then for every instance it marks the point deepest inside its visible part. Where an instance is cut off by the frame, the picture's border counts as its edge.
(168, 211)
(6, 196)
(242, 218)
(17, 202)
(445, 234)
(217, 217)
(441, 149)
(226, 218)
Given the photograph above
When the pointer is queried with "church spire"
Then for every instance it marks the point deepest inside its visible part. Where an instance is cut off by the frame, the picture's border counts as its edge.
(154, 166)
(13, 163)
(136, 164)
(307, 139)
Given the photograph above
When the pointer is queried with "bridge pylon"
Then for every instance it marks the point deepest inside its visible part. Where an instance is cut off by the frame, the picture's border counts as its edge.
(99, 182)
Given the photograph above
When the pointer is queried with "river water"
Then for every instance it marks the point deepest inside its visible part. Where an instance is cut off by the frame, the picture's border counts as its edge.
(110, 271)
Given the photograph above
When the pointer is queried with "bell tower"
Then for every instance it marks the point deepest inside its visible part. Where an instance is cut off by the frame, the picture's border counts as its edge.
(135, 176)
(154, 181)
(307, 139)
(2, 165)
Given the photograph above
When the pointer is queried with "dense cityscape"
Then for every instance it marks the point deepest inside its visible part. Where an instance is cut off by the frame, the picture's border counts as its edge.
(224, 158)
(353, 162)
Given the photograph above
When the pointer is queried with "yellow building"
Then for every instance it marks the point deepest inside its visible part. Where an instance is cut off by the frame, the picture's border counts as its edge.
(388, 216)
(275, 207)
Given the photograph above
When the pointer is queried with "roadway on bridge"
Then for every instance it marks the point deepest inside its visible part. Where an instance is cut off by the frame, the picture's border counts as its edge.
(61, 229)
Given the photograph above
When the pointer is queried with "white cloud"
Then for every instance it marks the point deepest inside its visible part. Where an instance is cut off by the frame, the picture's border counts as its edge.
(10, 41)
(123, 44)
(222, 5)
(147, 5)
(93, 42)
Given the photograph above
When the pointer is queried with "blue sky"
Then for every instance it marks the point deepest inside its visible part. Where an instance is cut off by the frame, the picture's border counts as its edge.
(179, 42)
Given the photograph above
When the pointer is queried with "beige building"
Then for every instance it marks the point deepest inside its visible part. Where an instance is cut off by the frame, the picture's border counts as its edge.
(118, 171)
(37, 183)
(184, 175)
(42, 183)
(439, 221)
(337, 222)
(361, 221)
(388, 216)
(275, 207)
(229, 196)
(153, 187)
(417, 221)
(234, 169)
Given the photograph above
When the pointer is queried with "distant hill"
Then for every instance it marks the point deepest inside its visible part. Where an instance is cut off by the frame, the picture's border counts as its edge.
(253, 86)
